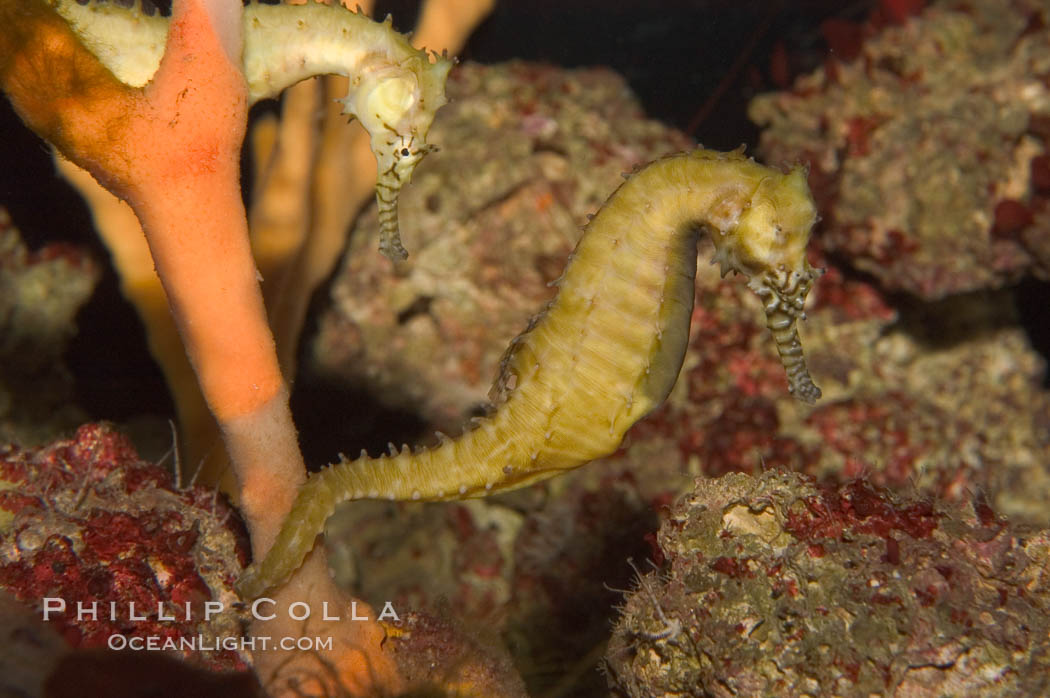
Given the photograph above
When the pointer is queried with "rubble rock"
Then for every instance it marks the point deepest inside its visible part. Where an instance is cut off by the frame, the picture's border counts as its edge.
(776, 586)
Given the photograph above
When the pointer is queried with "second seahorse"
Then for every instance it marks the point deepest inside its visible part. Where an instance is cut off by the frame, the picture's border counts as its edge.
(607, 350)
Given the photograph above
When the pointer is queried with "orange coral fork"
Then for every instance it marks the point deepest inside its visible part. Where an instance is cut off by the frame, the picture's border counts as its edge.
(171, 150)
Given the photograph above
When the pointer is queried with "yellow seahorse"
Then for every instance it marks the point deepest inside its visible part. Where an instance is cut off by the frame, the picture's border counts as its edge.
(607, 350)
(394, 92)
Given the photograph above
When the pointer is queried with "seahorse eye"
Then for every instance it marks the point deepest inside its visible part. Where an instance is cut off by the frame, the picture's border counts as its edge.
(405, 152)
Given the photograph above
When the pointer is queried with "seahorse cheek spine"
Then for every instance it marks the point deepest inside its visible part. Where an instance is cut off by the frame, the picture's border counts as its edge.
(607, 350)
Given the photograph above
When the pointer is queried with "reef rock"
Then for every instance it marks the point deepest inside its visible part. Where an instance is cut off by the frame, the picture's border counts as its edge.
(775, 586)
(85, 524)
(930, 151)
(40, 293)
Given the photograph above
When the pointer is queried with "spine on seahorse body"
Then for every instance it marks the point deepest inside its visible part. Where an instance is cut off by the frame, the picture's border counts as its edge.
(607, 350)
(395, 89)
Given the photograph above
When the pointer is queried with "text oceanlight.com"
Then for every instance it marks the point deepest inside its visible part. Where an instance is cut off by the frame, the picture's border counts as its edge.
(200, 643)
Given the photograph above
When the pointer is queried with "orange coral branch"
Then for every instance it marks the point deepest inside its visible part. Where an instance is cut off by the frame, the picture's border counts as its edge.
(77, 107)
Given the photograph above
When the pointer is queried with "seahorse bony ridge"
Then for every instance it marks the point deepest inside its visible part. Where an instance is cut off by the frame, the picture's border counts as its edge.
(607, 350)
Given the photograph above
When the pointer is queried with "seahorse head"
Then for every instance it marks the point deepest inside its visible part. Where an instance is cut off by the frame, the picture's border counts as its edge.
(396, 105)
(768, 245)
(773, 231)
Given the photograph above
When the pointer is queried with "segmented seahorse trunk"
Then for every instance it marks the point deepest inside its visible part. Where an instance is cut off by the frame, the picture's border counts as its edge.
(607, 350)
(395, 89)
